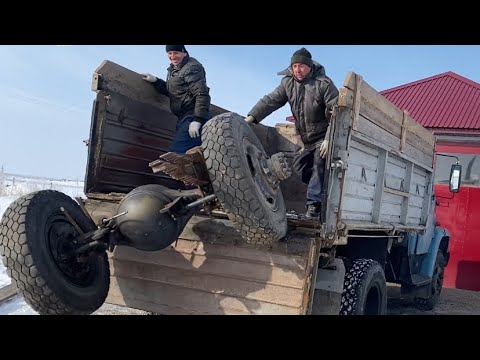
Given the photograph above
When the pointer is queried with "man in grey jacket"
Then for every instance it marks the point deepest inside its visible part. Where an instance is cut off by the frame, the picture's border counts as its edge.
(186, 86)
(311, 95)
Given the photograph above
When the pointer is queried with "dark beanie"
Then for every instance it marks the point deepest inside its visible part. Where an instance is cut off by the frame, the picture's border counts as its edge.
(302, 56)
(175, 48)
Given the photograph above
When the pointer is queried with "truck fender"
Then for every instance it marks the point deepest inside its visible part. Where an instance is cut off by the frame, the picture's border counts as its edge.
(428, 263)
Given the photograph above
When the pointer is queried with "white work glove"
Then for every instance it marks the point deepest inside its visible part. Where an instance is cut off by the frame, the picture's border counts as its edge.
(323, 148)
(148, 77)
(249, 119)
(194, 129)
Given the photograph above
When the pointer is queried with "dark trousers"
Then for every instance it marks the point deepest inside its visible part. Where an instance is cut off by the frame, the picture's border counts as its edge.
(311, 168)
(182, 140)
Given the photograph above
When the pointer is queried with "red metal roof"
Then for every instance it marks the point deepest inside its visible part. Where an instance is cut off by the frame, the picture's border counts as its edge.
(446, 101)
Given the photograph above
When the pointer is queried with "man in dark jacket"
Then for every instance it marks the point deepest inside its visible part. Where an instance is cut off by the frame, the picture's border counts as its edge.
(311, 95)
(186, 86)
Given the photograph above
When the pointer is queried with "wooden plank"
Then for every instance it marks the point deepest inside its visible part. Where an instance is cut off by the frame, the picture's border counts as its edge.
(221, 231)
(394, 199)
(394, 219)
(395, 173)
(354, 187)
(169, 300)
(8, 292)
(416, 213)
(357, 101)
(373, 114)
(403, 134)
(415, 200)
(361, 174)
(380, 180)
(237, 252)
(365, 225)
(355, 215)
(370, 95)
(363, 148)
(407, 187)
(241, 269)
(418, 130)
(371, 133)
(396, 192)
(214, 283)
(417, 142)
(356, 205)
(102, 208)
(377, 100)
(426, 199)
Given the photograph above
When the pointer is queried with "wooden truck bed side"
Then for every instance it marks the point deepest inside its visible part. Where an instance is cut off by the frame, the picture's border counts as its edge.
(381, 167)
(211, 270)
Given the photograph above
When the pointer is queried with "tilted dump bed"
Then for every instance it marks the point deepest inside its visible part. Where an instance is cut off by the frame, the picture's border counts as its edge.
(210, 269)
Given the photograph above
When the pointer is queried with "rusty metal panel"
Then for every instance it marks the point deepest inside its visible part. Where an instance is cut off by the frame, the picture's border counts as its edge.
(131, 126)
(124, 139)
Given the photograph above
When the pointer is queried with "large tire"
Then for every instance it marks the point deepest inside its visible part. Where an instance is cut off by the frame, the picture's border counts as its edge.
(365, 289)
(435, 287)
(34, 233)
(231, 150)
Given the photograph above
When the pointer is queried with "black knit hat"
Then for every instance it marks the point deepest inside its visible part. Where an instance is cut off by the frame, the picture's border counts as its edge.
(302, 56)
(175, 48)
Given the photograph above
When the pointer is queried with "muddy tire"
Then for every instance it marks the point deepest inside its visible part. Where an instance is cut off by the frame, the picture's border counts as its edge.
(231, 150)
(365, 289)
(34, 235)
(435, 287)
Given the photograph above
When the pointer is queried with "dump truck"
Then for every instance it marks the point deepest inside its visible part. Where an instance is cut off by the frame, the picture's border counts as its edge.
(220, 230)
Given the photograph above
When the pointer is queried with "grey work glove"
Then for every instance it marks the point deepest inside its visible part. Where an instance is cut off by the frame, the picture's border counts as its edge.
(194, 129)
(148, 77)
(250, 119)
(323, 148)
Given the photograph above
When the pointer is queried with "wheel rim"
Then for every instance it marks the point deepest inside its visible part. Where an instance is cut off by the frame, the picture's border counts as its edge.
(261, 175)
(60, 237)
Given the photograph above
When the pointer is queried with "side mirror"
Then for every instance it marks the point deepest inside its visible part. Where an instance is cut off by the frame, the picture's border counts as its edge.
(455, 177)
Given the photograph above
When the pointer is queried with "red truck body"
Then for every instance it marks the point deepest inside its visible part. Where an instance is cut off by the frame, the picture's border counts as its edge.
(460, 214)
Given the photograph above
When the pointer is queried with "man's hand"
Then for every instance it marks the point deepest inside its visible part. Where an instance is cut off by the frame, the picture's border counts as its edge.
(194, 129)
(250, 119)
(323, 148)
(148, 77)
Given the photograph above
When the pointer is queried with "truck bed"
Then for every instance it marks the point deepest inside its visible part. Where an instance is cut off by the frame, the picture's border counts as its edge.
(381, 166)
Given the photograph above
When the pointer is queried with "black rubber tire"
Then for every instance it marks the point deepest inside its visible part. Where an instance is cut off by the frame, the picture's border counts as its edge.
(435, 287)
(26, 231)
(226, 141)
(365, 289)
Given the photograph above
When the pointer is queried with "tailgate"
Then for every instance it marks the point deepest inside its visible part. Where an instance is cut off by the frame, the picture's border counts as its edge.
(131, 126)
(211, 270)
